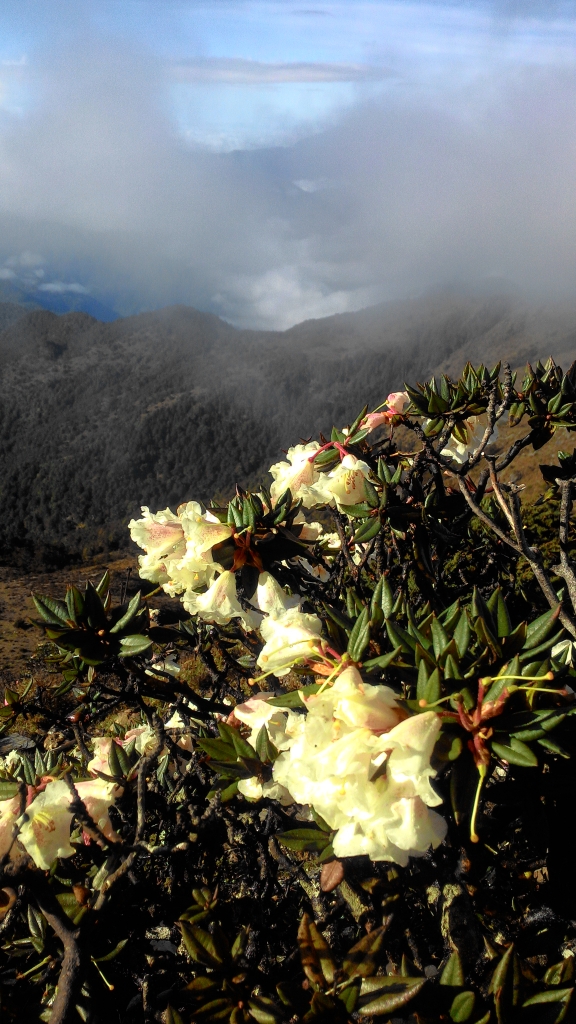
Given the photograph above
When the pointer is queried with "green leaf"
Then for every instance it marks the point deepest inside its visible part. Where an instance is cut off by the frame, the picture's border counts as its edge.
(130, 646)
(453, 973)
(517, 753)
(54, 612)
(440, 638)
(8, 790)
(561, 996)
(301, 839)
(368, 530)
(462, 633)
(293, 699)
(360, 636)
(387, 598)
(129, 614)
(264, 1011)
(218, 749)
(462, 1006)
(538, 630)
(232, 736)
(201, 945)
(265, 749)
(362, 960)
(382, 662)
(113, 953)
(317, 961)
(392, 992)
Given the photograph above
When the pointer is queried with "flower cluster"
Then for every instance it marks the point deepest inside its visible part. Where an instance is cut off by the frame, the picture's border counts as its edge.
(43, 830)
(360, 762)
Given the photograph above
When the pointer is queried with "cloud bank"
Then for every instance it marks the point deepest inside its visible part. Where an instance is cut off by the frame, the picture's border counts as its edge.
(415, 187)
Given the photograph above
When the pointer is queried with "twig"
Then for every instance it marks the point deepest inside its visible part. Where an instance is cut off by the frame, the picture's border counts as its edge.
(145, 764)
(86, 755)
(78, 807)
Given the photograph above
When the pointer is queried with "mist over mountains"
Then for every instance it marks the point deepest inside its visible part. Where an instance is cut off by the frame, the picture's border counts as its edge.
(99, 418)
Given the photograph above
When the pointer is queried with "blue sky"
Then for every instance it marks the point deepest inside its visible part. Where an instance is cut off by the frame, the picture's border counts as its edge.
(275, 159)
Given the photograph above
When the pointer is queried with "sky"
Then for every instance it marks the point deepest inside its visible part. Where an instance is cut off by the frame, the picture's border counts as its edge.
(276, 160)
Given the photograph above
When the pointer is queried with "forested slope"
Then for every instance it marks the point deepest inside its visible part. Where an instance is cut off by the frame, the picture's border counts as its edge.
(98, 418)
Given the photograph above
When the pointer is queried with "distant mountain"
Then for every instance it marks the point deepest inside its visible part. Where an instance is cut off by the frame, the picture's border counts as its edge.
(98, 418)
(56, 297)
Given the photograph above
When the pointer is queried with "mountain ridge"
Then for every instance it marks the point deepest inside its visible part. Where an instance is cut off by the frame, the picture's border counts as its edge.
(98, 418)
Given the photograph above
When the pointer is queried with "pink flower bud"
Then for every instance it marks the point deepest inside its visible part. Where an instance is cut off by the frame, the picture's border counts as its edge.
(398, 402)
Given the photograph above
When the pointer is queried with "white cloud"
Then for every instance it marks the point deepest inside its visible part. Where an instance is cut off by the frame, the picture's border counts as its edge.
(235, 71)
(60, 287)
(6, 274)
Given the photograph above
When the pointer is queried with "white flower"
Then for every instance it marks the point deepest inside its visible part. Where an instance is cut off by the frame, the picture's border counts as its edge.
(365, 768)
(220, 603)
(271, 599)
(252, 789)
(98, 796)
(9, 811)
(298, 474)
(474, 429)
(343, 485)
(162, 537)
(100, 761)
(289, 638)
(45, 825)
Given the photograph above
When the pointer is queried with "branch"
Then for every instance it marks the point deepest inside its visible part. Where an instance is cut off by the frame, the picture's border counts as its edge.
(481, 515)
(533, 556)
(72, 960)
(566, 569)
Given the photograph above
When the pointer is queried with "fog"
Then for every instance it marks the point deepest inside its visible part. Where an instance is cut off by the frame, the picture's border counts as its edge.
(416, 184)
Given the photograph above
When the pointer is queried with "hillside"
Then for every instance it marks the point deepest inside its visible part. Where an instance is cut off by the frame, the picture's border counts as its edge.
(98, 418)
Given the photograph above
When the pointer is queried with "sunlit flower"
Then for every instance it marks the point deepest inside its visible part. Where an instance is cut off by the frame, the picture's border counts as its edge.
(298, 473)
(289, 638)
(397, 402)
(271, 599)
(100, 761)
(253, 789)
(161, 536)
(98, 796)
(220, 603)
(474, 429)
(45, 826)
(364, 766)
(344, 485)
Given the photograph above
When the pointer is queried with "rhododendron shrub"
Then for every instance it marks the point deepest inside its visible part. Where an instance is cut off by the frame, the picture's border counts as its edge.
(319, 768)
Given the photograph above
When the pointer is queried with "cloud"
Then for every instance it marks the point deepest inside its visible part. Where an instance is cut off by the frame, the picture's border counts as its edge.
(456, 178)
(6, 274)
(235, 71)
(61, 287)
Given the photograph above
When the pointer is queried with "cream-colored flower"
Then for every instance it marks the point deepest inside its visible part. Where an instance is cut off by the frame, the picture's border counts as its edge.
(252, 789)
(100, 761)
(289, 638)
(474, 428)
(9, 811)
(45, 826)
(344, 485)
(98, 797)
(271, 599)
(220, 603)
(161, 536)
(365, 768)
(298, 474)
